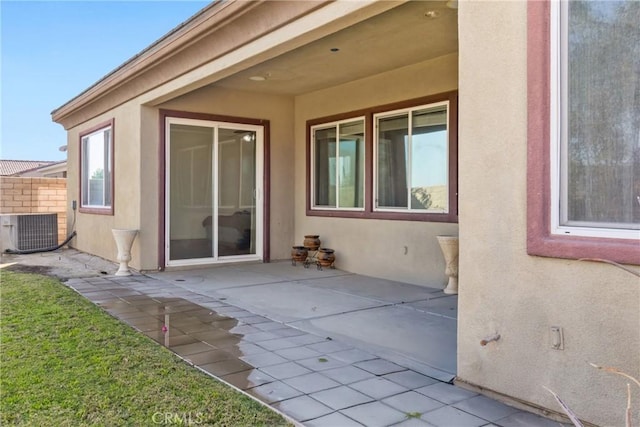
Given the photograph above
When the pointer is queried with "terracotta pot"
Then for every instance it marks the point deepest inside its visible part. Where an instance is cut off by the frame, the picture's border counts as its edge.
(299, 253)
(326, 257)
(311, 242)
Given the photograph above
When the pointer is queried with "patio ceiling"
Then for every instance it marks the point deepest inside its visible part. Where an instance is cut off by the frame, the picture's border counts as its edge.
(413, 32)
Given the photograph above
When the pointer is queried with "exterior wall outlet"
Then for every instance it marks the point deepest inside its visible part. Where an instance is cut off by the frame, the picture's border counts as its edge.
(557, 338)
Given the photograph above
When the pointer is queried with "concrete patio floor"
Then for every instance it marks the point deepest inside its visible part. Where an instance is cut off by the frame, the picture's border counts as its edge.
(407, 324)
(325, 348)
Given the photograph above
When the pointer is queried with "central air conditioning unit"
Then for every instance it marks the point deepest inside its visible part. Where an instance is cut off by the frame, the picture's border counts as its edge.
(28, 231)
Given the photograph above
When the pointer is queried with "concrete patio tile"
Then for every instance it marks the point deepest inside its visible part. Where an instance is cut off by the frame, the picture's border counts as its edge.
(410, 379)
(379, 366)
(412, 402)
(311, 383)
(353, 355)
(526, 419)
(130, 314)
(413, 422)
(274, 392)
(248, 379)
(268, 326)
(207, 357)
(333, 420)
(226, 367)
(225, 342)
(124, 308)
(375, 414)
(341, 397)
(191, 327)
(144, 324)
(244, 329)
(232, 311)
(306, 339)
(260, 336)
(375, 288)
(244, 349)
(239, 315)
(287, 332)
(285, 370)
(213, 305)
(172, 340)
(446, 393)
(448, 416)
(347, 374)
(277, 344)
(445, 306)
(321, 363)
(427, 338)
(486, 408)
(100, 297)
(260, 360)
(301, 302)
(329, 346)
(378, 388)
(303, 408)
(255, 319)
(298, 353)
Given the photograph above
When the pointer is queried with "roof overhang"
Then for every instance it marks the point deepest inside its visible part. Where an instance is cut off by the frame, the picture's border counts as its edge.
(230, 41)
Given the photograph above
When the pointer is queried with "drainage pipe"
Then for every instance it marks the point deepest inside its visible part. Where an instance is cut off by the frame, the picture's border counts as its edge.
(35, 251)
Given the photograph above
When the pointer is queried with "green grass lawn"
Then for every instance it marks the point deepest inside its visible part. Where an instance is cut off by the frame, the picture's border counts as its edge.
(64, 362)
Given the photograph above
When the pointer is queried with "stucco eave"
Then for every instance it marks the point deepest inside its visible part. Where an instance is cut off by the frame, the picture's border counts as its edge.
(207, 21)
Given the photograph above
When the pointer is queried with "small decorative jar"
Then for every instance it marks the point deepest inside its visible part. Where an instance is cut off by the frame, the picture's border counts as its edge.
(299, 253)
(326, 257)
(311, 242)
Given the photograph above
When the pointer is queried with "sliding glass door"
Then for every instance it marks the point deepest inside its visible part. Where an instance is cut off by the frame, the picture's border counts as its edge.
(214, 192)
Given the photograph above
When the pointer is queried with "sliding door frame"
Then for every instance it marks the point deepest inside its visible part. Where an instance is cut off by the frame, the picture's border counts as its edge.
(224, 121)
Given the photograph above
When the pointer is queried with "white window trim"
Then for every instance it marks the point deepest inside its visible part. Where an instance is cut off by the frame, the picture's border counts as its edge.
(408, 209)
(559, 133)
(85, 180)
(335, 125)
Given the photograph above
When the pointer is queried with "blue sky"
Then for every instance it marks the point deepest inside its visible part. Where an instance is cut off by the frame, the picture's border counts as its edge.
(50, 51)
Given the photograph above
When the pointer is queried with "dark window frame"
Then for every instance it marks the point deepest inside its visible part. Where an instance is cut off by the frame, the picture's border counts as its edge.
(369, 212)
(540, 240)
(107, 210)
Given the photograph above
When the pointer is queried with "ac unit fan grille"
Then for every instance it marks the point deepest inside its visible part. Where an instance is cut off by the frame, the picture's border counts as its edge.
(37, 231)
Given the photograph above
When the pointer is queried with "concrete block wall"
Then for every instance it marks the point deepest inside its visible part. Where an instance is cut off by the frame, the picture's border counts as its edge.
(20, 195)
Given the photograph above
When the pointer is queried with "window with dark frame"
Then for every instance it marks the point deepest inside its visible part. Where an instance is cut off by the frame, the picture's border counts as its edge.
(400, 164)
(96, 169)
(338, 165)
(411, 151)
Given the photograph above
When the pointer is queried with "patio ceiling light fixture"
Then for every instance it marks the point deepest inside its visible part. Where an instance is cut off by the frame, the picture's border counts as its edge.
(258, 78)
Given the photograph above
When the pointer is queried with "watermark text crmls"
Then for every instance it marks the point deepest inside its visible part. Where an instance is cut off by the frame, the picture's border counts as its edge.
(178, 418)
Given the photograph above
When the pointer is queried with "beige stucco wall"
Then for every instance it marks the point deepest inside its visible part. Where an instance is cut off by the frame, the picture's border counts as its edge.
(137, 170)
(398, 250)
(94, 231)
(502, 288)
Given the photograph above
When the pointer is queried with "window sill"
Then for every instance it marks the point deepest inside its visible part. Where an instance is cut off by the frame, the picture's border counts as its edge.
(391, 216)
(96, 211)
(623, 251)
